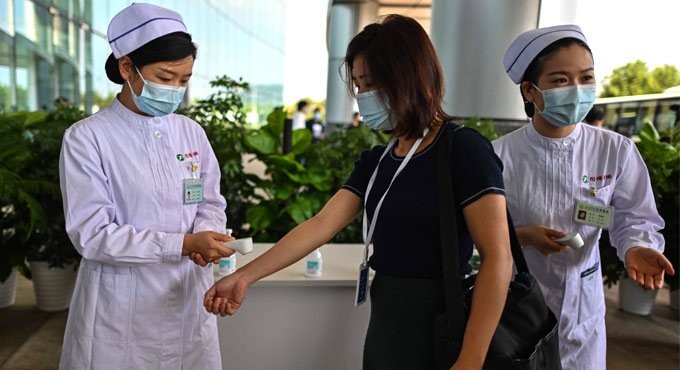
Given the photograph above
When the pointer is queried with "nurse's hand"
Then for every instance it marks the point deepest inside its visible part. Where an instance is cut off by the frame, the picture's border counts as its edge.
(206, 246)
(199, 260)
(646, 267)
(541, 238)
(227, 295)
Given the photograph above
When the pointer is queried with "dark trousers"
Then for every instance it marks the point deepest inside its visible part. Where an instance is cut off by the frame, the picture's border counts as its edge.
(399, 332)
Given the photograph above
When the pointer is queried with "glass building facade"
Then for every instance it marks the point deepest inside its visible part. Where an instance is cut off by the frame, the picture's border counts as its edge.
(57, 49)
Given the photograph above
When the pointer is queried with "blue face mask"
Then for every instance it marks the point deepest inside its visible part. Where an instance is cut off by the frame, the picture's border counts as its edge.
(376, 115)
(564, 106)
(157, 99)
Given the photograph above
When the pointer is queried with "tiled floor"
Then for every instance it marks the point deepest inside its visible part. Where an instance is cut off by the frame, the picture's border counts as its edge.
(31, 340)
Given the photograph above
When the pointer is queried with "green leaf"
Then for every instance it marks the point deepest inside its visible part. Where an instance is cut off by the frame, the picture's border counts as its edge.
(262, 143)
(319, 178)
(286, 163)
(302, 139)
(282, 192)
(648, 133)
(261, 216)
(275, 121)
(301, 209)
(38, 218)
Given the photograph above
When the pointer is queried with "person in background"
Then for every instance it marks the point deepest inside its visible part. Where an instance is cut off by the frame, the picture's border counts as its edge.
(315, 125)
(301, 115)
(142, 199)
(595, 117)
(556, 167)
(407, 291)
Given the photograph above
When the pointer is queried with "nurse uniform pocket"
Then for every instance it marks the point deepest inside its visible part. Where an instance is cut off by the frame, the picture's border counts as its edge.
(590, 295)
(113, 314)
(597, 195)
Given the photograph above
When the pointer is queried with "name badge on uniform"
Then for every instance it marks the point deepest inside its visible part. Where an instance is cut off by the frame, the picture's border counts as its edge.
(193, 191)
(594, 215)
(362, 284)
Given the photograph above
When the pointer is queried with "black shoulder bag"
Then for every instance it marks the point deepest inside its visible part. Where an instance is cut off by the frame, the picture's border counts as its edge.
(526, 336)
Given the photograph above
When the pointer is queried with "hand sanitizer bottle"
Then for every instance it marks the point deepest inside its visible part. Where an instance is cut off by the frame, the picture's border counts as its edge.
(227, 265)
(314, 264)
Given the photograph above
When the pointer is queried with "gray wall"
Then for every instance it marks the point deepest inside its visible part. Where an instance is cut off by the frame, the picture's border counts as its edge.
(345, 19)
(471, 38)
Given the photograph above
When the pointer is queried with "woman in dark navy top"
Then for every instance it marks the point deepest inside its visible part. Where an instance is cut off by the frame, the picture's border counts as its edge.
(395, 75)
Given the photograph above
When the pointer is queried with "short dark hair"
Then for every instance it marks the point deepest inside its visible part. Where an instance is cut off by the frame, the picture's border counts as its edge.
(535, 68)
(596, 113)
(405, 69)
(171, 47)
(301, 104)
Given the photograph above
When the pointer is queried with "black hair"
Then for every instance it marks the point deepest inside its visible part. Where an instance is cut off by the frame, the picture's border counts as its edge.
(535, 68)
(301, 104)
(596, 113)
(171, 47)
(404, 68)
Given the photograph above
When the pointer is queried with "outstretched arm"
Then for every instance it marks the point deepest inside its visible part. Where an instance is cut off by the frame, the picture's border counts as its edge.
(226, 296)
(646, 267)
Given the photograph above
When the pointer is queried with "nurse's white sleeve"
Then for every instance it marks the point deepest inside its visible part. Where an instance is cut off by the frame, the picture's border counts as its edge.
(90, 211)
(210, 213)
(636, 220)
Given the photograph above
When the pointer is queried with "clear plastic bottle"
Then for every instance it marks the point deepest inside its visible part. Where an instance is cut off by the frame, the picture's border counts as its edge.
(314, 264)
(227, 265)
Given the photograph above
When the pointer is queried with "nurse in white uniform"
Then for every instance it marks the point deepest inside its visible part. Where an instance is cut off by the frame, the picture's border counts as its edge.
(562, 177)
(141, 198)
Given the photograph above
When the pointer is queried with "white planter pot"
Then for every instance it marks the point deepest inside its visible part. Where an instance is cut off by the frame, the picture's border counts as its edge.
(8, 290)
(634, 299)
(53, 287)
(675, 299)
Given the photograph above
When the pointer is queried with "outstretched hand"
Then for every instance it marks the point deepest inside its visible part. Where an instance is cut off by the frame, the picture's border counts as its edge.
(542, 238)
(226, 296)
(646, 266)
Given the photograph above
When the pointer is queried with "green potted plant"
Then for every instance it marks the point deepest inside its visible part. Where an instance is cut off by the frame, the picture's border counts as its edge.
(661, 153)
(299, 183)
(20, 211)
(223, 118)
(52, 258)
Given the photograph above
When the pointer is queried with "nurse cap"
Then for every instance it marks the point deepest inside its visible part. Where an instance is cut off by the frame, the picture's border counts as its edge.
(529, 44)
(140, 23)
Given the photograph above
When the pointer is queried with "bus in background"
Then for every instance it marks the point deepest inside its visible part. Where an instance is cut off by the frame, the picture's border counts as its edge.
(626, 114)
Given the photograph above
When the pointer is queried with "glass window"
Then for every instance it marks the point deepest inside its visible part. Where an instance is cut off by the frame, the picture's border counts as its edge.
(68, 81)
(43, 22)
(646, 112)
(45, 83)
(668, 114)
(20, 17)
(61, 34)
(103, 90)
(6, 19)
(25, 71)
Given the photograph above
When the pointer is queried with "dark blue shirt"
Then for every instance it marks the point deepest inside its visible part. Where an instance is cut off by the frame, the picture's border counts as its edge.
(406, 240)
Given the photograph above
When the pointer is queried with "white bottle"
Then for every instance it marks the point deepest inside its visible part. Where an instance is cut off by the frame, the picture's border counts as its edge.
(227, 265)
(314, 264)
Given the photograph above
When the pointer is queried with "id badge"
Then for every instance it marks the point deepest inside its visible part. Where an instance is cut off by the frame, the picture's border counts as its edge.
(193, 191)
(594, 215)
(362, 285)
